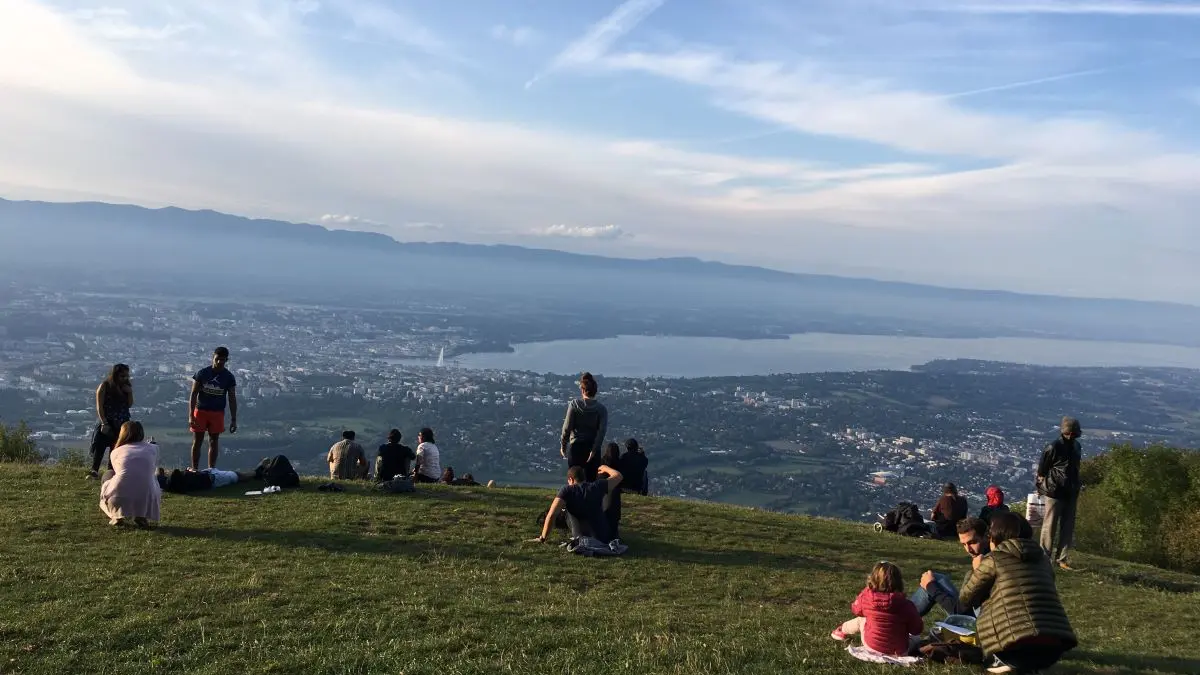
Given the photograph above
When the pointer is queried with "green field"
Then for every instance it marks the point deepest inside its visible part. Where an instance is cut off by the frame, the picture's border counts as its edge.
(442, 581)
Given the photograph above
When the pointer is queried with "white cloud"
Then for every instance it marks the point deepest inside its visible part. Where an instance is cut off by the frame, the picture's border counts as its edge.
(518, 36)
(243, 115)
(1112, 7)
(352, 222)
(601, 36)
(583, 231)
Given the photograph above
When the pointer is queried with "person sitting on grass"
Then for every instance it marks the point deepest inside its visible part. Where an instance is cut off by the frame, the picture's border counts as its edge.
(129, 491)
(887, 621)
(429, 458)
(347, 459)
(584, 503)
(1022, 624)
(995, 504)
(393, 459)
(633, 467)
(448, 476)
(612, 501)
(950, 509)
(936, 588)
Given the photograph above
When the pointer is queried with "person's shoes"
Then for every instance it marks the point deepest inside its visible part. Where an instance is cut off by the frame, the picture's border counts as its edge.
(838, 635)
(999, 666)
(118, 522)
(1066, 568)
(142, 524)
(92, 475)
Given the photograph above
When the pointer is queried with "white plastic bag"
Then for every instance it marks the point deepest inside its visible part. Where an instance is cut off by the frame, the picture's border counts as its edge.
(1035, 509)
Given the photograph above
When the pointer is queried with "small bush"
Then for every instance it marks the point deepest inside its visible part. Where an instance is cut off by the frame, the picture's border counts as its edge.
(74, 458)
(17, 445)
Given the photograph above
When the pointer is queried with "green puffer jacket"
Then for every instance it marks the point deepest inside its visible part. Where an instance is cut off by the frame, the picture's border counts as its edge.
(1014, 587)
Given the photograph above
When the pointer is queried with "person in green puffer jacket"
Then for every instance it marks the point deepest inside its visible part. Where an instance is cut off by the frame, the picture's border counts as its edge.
(1022, 623)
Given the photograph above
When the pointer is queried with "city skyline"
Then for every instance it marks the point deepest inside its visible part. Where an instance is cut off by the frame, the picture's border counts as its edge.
(853, 138)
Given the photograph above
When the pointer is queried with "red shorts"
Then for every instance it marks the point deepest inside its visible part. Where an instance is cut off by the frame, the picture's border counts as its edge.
(212, 421)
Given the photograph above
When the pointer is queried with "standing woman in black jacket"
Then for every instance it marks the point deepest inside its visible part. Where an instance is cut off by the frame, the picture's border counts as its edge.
(1058, 481)
(584, 428)
(114, 398)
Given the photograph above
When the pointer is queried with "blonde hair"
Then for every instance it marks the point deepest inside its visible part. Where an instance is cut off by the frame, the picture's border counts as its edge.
(131, 432)
(886, 578)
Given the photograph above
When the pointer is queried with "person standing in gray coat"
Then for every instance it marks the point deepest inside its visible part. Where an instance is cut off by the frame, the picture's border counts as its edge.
(1058, 482)
(584, 428)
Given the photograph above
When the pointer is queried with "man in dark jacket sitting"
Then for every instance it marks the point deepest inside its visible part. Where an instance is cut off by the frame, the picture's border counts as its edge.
(1022, 623)
(633, 467)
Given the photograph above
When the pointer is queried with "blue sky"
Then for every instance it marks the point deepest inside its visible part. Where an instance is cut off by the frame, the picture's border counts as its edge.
(1037, 145)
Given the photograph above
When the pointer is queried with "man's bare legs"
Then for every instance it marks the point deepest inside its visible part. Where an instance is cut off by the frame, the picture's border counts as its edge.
(197, 441)
(214, 448)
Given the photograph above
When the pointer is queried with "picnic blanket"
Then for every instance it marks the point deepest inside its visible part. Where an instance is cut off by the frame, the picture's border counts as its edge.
(864, 653)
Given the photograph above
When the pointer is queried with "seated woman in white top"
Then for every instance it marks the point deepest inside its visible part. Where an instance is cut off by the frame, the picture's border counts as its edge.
(429, 460)
(130, 491)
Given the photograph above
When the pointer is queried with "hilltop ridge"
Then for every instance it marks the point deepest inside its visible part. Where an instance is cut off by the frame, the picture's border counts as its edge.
(442, 581)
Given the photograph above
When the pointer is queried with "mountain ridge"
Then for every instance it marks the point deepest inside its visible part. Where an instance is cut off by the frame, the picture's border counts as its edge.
(130, 215)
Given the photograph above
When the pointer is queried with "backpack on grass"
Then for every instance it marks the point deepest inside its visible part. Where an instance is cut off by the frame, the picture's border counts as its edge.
(277, 470)
(905, 520)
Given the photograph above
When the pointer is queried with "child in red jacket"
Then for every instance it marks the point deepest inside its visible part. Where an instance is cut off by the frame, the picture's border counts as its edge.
(883, 615)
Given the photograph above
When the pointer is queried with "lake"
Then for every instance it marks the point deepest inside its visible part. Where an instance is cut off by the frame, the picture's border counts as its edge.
(641, 356)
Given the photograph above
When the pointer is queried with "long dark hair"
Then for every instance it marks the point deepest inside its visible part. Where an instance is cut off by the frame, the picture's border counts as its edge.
(611, 456)
(110, 382)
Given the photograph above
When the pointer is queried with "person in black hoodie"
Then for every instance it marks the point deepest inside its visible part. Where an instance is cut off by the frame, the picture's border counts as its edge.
(612, 501)
(393, 458)
(633, 467)
(1058, 481)
(584, 428)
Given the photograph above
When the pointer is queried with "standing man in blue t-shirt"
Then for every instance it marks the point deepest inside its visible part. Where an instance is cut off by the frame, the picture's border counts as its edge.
(206, 406)
(584, 501)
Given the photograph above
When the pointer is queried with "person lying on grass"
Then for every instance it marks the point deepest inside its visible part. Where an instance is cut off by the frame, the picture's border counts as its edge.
(181, 480)
(584, 502)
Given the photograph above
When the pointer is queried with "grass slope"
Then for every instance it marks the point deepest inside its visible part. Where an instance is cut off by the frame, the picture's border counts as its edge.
(441, 582)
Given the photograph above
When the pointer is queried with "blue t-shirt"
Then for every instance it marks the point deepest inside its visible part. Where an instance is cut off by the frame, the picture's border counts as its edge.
(585, 501)
(214, 385)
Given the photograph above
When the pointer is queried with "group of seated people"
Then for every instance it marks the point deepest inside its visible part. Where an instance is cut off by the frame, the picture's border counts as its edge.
(348, 461)
(1010, 590)
(952, 508)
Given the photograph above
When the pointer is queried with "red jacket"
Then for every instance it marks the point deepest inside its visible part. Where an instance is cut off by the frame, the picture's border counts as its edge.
(890, 619)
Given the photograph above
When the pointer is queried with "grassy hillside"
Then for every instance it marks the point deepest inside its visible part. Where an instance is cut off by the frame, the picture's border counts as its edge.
(441, 581)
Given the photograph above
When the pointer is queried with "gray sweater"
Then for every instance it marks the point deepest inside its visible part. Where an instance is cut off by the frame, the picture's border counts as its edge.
(584, 428)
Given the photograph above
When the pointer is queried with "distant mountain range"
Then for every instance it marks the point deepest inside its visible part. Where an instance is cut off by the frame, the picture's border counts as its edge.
(77, 218)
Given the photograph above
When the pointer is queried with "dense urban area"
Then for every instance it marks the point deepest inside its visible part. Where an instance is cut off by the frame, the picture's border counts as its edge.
(838, 444)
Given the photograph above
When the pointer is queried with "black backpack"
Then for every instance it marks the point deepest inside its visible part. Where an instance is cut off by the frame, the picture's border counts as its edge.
(277, 470)
(905, 520)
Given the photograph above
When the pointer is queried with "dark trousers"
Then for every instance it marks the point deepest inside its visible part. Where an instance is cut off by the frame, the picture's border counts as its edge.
(575, 458)
(422, 478)
(1031, 658)
(101, 442)
(579, 528)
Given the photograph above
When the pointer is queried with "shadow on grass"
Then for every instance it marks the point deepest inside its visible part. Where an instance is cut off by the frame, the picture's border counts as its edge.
(382, 543)
(1118, 664)
(642, 548)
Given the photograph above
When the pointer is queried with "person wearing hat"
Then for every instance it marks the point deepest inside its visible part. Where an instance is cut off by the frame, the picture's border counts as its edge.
(1058, 482)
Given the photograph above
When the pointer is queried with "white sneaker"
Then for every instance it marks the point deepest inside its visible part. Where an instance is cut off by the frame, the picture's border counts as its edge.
(999, 666)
